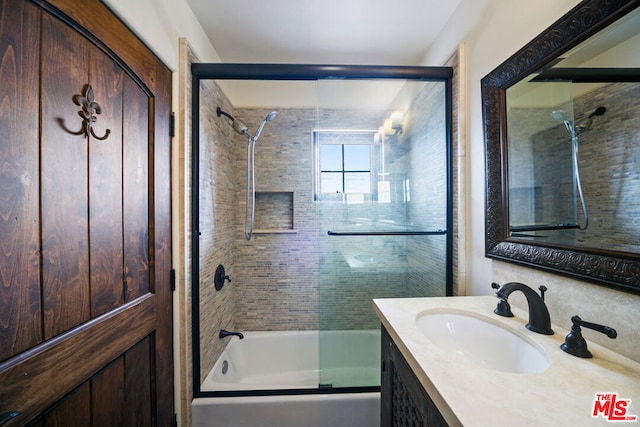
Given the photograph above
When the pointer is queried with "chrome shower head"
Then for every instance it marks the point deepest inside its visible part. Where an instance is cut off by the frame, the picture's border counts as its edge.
(236, 124)
(272, 115)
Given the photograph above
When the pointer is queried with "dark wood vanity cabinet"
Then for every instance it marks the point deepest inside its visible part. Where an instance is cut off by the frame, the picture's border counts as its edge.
(404, 402)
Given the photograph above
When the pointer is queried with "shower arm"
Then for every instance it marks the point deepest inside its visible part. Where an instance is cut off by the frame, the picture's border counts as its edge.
(219, 113)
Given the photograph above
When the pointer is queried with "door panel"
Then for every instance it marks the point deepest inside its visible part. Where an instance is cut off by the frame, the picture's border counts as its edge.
(105, 187)
(85, 330)
(74, 411)
(36, 379)
(64, 180)
(20, 320)
(119, 395)
(136, 184)
(107, 395)
(137, 386)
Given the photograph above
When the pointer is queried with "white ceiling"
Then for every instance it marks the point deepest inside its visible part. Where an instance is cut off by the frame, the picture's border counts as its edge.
(369, 32)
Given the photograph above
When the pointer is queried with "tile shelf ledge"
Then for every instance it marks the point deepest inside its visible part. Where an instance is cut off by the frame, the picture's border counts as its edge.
(275, 231)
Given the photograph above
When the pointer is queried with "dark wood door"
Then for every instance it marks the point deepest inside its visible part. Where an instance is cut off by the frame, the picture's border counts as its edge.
(85, 251)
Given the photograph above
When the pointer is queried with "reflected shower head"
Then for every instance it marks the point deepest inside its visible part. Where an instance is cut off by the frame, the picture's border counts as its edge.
(236, 124)
(598, 112)
(558, 115)
(561, 115)
(586, 123)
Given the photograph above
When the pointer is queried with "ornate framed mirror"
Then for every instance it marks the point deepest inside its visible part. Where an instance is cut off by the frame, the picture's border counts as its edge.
(562, 146)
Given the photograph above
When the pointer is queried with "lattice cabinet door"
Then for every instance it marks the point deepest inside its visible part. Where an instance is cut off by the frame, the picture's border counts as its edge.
(404, 402)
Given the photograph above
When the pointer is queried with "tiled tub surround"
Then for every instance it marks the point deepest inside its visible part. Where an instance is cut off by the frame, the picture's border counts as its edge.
(276, 276)
(469, 394)
(217, 200)
(302, 280)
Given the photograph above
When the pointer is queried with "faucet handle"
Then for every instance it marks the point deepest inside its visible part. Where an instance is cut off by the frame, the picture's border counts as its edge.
(575, 343)
(542, 289)
(503, 308)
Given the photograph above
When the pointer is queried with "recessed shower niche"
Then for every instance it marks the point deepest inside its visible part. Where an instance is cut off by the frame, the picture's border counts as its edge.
(274, 212)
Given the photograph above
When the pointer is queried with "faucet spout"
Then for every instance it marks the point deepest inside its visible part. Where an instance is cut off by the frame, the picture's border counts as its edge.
(224, 334)
(539, 319)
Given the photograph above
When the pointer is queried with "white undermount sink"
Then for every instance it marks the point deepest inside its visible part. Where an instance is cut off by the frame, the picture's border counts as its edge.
(482, 341)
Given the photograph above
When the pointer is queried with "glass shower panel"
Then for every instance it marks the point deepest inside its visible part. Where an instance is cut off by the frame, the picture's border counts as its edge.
(381, 203)
(542, 196)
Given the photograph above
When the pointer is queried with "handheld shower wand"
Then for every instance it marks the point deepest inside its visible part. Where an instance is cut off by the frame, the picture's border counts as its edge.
(243, 129)
(574, 131)
(251, 176)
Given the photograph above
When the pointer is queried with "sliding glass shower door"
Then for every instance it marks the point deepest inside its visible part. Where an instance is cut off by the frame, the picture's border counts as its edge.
(352, 203)
(381, 190)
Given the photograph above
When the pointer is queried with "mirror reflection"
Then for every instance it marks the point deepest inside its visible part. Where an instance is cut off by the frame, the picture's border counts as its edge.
(574, 146)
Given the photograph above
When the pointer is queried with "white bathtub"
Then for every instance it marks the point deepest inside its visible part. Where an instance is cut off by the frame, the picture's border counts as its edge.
(294, 360)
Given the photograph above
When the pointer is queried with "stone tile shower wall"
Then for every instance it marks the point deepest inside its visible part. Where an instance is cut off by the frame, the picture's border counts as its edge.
(609, 155)
(610, 167)
(276, 272)
(292, 275)
(217, 199)
(427, 169)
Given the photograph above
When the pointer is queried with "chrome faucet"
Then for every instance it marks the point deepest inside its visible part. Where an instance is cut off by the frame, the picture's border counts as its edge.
(539, 320)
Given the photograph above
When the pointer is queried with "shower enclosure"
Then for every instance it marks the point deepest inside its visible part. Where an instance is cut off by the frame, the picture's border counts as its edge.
(351, 201)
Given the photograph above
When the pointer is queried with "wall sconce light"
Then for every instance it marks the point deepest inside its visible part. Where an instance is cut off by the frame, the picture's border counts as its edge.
(396, 119)
(390, 127)
(388, 130)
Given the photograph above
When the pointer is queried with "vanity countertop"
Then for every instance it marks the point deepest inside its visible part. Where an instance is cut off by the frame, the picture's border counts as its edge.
(469, 394)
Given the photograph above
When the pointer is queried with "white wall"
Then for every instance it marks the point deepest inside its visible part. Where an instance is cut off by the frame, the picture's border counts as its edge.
(161, 23)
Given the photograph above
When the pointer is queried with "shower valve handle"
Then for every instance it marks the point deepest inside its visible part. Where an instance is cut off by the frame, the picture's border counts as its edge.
(220, 277)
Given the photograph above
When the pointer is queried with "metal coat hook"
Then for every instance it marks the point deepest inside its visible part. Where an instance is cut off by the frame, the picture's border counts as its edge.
(89, 109)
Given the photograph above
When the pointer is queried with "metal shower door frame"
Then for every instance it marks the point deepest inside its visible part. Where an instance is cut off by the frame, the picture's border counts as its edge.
(300, 72)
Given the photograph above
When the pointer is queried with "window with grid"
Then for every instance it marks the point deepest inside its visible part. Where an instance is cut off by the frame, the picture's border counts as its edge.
(344, 168)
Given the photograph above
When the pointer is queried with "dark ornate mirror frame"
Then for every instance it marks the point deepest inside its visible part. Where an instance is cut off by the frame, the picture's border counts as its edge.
(619, 269)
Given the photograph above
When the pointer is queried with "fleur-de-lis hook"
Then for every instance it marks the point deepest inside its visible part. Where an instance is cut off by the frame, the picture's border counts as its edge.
(89, 109)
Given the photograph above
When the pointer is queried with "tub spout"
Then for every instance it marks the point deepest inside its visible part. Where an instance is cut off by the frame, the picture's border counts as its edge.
(224, 334)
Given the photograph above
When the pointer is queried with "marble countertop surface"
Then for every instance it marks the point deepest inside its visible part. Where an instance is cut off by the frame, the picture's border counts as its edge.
(470, 394)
